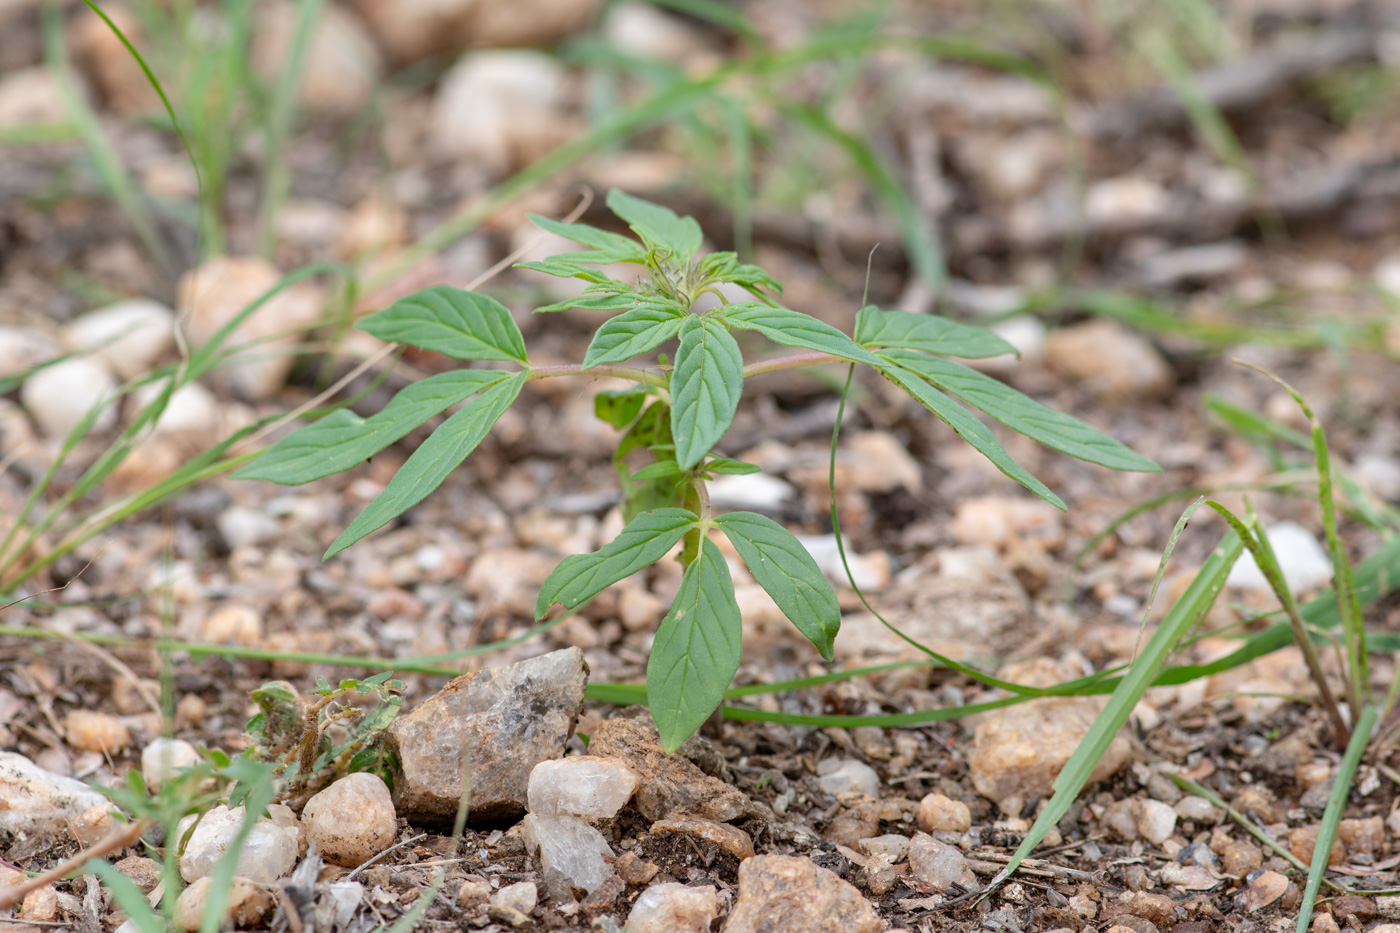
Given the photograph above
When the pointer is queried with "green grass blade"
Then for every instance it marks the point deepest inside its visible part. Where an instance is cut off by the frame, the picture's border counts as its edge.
(100, 148)
(1336, 809)
(1256, 540)
(1180, 620)
(278, 128)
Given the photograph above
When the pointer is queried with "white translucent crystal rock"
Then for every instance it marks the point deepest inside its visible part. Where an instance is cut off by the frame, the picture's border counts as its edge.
(164, 758)
(268, 852)
(843, 776)
(1156, 821)
(1304, 563)
(674, 908)
(569, 849)
(60, 395)
(33, 800)
(129, 335)
(589, 787)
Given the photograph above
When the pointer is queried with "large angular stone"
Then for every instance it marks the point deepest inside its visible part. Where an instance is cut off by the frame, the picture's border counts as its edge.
(782, 893)
(500, 722)
(572, 853)
(1018, 752)
(33, 800)
(671, 785)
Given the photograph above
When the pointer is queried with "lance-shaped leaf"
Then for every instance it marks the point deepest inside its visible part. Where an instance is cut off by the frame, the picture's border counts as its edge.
(696, 651)
(463, 325)
(786, 570)
(342, 439)
(876, 328)
(705, 387)
(619, 300)
(633, 332)
(438, 456)
(795, 329)
(969, 429)
(658, 226)
(1023, 414)
(565, 270)
(611, 247)
(727, 467)
(580, 577)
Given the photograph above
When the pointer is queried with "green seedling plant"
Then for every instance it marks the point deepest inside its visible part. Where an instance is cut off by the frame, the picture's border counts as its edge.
(312, 740)
(679, 408)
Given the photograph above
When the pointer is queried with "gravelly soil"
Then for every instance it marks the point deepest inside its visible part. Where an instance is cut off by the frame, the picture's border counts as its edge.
(952, 562)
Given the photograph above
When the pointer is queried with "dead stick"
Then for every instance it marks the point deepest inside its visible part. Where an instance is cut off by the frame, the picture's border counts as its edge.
(116, 840)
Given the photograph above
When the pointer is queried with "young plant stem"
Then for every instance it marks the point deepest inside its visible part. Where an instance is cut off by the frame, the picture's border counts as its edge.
(1358, 673)
(697, 499)
(790, 362)
(1268, 565)
(632, 374)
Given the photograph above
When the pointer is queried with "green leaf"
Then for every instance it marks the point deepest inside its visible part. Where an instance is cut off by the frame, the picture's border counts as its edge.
(463, 325)
(658, 470)
(658, 226)
(696, 651)
(580, 577)
(632, 333)
(969, 429)
(705, 387)
(725, 267)
(901, 329)
(619, 408)
(728, 467)
(650, 436)
(342, 439)
(438, 456)
(754, 279)
(565, 270)
(795, 329)
(617, 247)
(619, 301)
(785, 569)
(1023, 414)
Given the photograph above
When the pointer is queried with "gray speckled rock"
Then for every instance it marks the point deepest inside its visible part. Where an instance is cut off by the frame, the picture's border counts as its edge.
(504, 721)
